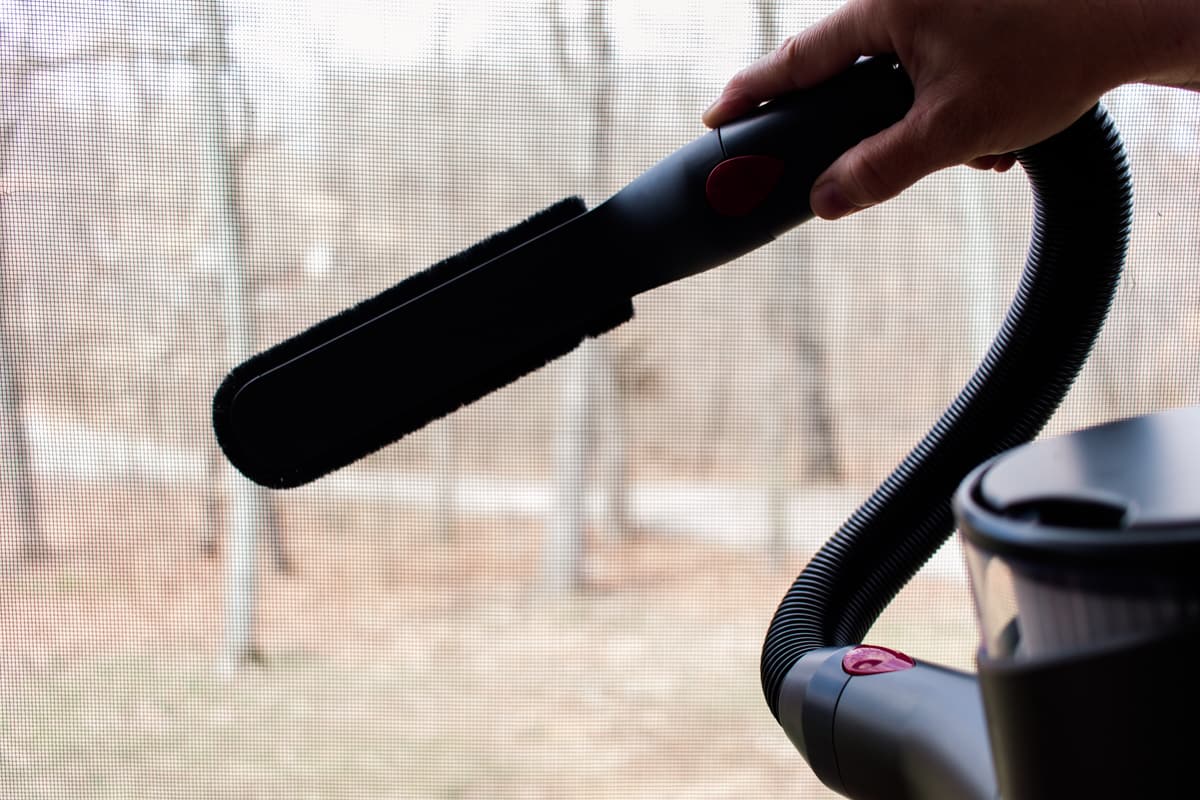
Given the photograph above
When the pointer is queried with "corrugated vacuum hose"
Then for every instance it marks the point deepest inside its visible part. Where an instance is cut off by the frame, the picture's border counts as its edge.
(1083, 208)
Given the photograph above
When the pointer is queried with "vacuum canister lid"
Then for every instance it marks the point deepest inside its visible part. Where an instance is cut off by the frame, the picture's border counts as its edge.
(1085, 538)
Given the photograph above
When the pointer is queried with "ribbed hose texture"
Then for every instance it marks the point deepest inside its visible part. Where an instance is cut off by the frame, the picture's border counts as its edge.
(1083, 208)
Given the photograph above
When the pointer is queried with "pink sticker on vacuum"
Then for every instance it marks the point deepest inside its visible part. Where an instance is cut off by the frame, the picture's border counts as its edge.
(871, 660)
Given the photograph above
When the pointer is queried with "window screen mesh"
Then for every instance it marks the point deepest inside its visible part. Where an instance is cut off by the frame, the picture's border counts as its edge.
(558, 592)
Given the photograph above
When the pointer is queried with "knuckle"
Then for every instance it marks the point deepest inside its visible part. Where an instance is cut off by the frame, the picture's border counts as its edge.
(871, 183)
(737, 88)
(791, 48)
(947, 132)
(789, 55)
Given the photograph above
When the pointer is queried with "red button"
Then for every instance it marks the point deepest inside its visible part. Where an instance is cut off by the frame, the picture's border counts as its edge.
(869, 660)
(738, 185)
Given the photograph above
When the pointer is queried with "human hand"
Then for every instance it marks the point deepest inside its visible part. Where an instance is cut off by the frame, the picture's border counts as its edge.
(989, 77)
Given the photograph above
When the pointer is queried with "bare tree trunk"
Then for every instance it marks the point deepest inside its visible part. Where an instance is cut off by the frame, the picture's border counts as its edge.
(445, 446)
(247, 511)
(982, 273)
(779, 520)
(17, 461)
(615, 445)
(445, 431)
(775, 422)
(15, 456)
(614, 453)
(214, 509)
(564, 567)
(797, 321)
(270, 525)
(820, 459)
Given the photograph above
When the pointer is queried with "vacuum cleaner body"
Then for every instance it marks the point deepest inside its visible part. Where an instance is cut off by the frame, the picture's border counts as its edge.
(1082, 552)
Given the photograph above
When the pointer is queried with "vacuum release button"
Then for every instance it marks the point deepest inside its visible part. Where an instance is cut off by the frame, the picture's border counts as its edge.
(870, 660)
(738, 185)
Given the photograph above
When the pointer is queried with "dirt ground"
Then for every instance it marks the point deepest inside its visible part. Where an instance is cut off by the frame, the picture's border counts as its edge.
(395, 664)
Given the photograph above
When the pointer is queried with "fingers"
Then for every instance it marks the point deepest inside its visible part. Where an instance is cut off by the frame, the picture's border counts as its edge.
(809, 57)
(983, 163)
(996, 163)
(1004, 163)
(880, 167)
(951, 121)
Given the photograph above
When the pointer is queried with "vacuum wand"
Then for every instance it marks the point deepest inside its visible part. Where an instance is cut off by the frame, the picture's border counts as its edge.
(873, 723)
(475, 322)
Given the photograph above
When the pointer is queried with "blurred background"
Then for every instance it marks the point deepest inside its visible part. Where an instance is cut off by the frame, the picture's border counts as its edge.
(558, 592)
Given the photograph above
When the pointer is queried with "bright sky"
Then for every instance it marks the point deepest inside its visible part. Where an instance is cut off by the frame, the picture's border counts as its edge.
(284, 44)
(281, 46)
(714, 34)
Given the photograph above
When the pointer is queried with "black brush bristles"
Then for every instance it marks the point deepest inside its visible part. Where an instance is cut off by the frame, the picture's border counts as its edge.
(438, 340)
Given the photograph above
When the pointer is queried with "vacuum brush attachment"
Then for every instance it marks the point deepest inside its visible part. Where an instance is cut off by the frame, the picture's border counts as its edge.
(477, 321)
(395, 362)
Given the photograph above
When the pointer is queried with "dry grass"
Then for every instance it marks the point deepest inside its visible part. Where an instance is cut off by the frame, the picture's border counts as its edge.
(393, 665)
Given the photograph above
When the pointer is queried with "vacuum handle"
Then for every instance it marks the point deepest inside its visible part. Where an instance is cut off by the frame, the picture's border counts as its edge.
(808, 130)
(740, 186)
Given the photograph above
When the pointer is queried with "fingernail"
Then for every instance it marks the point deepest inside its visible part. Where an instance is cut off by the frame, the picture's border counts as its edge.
(828, 201)
(708, 111)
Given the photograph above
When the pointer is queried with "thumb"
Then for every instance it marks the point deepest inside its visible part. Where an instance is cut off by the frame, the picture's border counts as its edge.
(879, 167)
